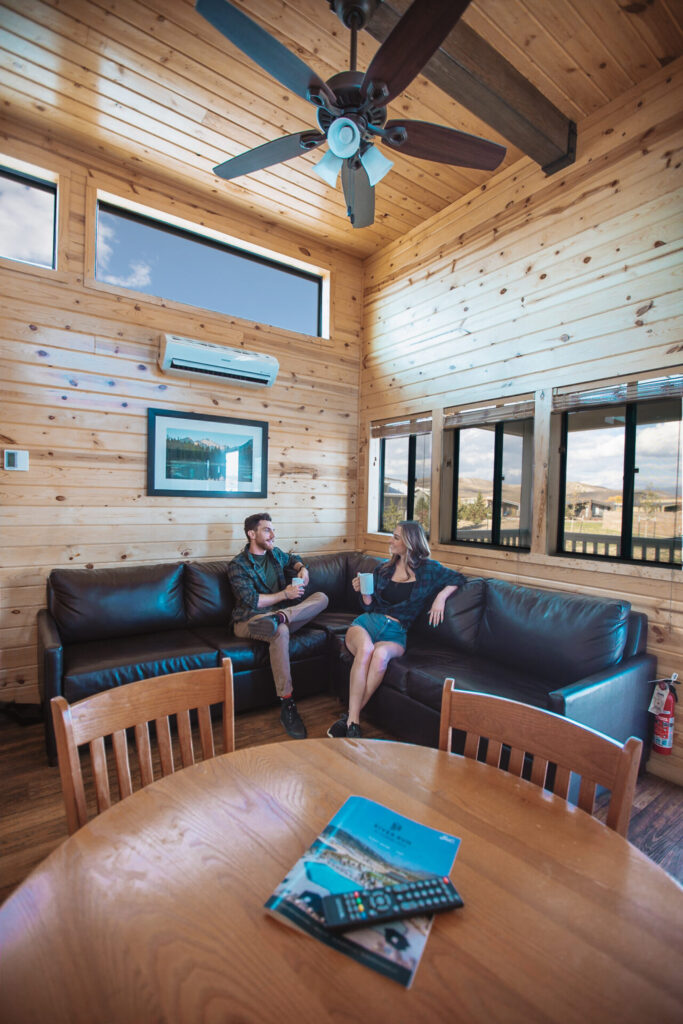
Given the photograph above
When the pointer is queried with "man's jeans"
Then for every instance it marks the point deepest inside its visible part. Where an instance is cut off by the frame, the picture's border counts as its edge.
(297, 616)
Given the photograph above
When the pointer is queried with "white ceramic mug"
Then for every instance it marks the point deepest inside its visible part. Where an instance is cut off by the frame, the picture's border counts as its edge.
(367, 583)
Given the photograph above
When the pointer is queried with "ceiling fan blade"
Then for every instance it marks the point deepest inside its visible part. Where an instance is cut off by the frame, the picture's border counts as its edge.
(269, 153)
(263, 48)
(358, 193)
(447, 145)
(410, 44)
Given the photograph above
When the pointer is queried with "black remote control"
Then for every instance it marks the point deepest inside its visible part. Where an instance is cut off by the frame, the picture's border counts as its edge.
(344, 911)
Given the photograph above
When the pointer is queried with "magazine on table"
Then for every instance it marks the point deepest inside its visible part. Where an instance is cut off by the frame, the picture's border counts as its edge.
(366, 845)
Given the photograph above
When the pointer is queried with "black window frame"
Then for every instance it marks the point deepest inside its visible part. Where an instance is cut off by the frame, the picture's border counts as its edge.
(42, 185)
(212, 243)
(628, 490)
(496, 494)
(412, 462)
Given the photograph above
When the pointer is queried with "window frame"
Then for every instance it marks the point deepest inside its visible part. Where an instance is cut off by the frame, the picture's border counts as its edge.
(627, 492)
(411, 476)
(496, 491)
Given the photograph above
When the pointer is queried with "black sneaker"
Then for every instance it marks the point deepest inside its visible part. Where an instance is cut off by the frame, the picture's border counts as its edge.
(289, 717)
(265, 627)
(353, 731)
(338, 729)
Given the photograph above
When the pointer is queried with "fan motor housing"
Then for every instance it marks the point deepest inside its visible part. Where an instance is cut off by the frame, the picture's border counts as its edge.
(347, 89)
(354, 13)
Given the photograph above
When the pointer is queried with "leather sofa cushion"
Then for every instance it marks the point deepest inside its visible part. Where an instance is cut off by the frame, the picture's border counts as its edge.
(462, 617)
(208, 595)
(564, 636)
(129, 600)
(426, 669)
(101, 665)
(328, 574)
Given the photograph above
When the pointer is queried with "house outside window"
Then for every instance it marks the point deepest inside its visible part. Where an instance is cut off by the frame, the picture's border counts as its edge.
(28, 218)
(489, 455)
(404, 471)
(148, 255)
(621, 472)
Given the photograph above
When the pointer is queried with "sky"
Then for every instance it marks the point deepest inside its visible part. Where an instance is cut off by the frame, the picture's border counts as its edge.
(139, 255)
(27, 217)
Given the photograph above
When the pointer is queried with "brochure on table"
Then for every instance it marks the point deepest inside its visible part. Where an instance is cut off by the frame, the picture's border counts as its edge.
(366, 845)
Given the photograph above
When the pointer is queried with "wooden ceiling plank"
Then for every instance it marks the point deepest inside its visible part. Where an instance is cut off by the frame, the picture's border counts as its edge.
(474, 74)
(590, 53)
(623, 42)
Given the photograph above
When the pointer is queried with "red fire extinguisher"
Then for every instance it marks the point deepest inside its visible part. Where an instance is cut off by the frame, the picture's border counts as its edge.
(663, 703)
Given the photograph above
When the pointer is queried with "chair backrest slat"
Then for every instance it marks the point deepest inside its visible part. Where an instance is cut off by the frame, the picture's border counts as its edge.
(516, 762)
(134, 705)
(539, 771)
(120, 745)
(98, 757)
(185, 737)
(163, 731)
(205, 732)
(144, 750)
(562, 780)
(493, 753)
(547, 738)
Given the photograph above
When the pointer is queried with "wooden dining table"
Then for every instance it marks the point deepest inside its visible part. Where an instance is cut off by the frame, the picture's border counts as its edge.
(153, 911)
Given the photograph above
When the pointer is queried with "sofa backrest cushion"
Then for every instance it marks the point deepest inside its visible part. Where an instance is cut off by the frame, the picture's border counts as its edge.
(332, 573)
(208, 594)
(96, 604)
(462, 617)
(327, 572)
(564, 637)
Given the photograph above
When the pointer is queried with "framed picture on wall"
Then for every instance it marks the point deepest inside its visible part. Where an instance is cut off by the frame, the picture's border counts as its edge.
(192, 455)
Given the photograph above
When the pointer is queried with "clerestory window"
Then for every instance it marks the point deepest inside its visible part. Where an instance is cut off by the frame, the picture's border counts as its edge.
(28, 218)
(147, 255)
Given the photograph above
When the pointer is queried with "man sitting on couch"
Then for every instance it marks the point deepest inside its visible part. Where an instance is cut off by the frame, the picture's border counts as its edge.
(268, 606)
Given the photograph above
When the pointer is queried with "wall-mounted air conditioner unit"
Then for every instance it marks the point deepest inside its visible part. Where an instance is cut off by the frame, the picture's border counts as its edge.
(186, 357)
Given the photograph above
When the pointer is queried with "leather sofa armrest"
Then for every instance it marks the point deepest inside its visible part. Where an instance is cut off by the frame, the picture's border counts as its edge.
(50, 673)
(613, 701)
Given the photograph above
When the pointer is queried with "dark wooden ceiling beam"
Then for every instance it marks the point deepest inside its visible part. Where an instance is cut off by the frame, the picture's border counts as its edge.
(468, 69)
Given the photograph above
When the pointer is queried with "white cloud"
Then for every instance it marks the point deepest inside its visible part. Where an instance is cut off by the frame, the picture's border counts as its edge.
(139, 276)
(26, 223)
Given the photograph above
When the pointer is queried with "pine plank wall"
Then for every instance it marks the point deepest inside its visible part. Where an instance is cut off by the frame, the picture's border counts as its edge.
(560, 281)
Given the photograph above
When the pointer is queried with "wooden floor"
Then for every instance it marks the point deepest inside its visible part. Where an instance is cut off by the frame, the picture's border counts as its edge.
(32, 821)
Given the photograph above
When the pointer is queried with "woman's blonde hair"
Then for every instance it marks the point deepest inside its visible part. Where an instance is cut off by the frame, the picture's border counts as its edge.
(413, 535)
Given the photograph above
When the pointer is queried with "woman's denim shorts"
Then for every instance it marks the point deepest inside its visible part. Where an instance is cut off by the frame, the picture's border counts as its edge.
(381, 628)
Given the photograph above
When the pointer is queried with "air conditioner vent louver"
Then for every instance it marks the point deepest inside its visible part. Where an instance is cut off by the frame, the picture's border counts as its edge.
(187, 357)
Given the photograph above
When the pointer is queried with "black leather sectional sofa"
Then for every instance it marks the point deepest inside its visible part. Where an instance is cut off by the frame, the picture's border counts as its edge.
(578, 656)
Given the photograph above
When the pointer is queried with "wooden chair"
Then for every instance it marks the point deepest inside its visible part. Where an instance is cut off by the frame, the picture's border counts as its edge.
(546, 738)
(111, 712)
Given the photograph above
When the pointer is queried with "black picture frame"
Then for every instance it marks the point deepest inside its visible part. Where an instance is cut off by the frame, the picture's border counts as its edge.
(193, 455)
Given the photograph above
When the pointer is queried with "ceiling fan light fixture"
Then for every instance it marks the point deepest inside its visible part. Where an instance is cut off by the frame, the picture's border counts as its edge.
(328, 168)
(343, 136)
(376, 164)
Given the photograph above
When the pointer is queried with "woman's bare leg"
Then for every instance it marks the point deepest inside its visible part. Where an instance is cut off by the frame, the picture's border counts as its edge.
(361, 646)
(384, 651)
(369, 665)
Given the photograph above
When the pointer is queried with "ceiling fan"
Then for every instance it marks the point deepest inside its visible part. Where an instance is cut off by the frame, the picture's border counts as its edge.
(352, 113)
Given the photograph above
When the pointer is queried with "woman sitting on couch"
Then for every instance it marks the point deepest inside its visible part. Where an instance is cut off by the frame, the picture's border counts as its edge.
(403, 587)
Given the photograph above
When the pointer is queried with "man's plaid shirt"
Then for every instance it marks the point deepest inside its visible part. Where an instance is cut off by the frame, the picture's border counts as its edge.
(247, 579)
